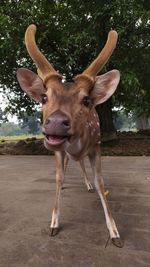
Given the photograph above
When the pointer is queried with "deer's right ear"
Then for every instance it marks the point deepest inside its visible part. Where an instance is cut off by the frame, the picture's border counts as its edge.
(31, 83)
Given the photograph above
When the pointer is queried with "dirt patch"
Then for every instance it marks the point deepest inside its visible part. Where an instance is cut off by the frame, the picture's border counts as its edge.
(126, 144)
(24, 147)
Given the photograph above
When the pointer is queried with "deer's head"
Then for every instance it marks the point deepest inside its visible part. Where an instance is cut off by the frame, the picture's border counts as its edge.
(66, 106)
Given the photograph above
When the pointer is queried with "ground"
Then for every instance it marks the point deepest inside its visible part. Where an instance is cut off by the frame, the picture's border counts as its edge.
(126, 144)
(27, 189)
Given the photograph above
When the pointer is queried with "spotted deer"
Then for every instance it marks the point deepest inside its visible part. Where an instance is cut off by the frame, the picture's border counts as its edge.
(70, 122)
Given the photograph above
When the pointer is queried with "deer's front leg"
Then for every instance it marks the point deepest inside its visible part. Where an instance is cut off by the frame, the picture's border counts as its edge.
(95, 160)
(59, 155)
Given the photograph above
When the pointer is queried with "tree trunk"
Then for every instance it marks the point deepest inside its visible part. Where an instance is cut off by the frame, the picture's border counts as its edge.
(106, 121)
(143, 123)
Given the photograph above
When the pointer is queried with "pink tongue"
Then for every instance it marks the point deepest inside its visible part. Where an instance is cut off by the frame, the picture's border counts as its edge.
(55, 139)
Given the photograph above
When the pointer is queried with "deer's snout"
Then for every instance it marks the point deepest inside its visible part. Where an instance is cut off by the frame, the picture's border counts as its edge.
(57, 124)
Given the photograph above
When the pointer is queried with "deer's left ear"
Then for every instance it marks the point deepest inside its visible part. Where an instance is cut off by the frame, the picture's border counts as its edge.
(105, 86)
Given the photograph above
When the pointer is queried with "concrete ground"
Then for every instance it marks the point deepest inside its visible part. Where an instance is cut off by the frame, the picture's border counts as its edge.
(27, 189)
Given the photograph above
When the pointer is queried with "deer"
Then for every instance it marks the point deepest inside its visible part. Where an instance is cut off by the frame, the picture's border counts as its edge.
(71, 126)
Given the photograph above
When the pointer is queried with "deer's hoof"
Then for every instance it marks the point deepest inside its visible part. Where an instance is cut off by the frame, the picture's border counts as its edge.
(54, 231)
(117, 242)
(91, 190)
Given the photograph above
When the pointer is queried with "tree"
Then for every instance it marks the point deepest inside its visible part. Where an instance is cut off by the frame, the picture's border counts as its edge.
(124, 122)
(2, 116)
(9, 129)
(31, 124)
(70, 33)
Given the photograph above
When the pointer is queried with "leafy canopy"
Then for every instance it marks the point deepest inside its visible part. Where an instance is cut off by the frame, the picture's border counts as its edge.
(70, 33)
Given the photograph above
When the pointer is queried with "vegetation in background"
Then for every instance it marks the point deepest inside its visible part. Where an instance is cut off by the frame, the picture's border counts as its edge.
(10, 128)
(70, 33)
(27, 125)
(124, 122)
(3, 116)
(31, 124)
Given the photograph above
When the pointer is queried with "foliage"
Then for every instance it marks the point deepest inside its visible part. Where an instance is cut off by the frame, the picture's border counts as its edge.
(27, 125)
(70, 33)
(31, 124)
(10, 128)
(3, 117)
(123, 121)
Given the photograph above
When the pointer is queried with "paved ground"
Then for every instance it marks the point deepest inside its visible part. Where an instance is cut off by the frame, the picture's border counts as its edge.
(27, 188)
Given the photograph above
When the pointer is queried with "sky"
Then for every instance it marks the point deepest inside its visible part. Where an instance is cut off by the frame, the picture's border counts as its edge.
(3, 104)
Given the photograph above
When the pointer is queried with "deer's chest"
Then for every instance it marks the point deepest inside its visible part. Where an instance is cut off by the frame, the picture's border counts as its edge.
(91, 136)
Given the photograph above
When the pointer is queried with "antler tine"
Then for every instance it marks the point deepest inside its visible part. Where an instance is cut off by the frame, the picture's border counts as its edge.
(103, 56)
(45, 68)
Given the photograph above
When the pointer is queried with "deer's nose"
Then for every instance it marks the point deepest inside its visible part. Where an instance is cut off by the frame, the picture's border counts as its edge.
(66, 124)
(53, 122)
(58, 123)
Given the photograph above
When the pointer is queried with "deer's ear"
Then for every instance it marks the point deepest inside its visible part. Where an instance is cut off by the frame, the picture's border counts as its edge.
(31, 83)
(105, 86)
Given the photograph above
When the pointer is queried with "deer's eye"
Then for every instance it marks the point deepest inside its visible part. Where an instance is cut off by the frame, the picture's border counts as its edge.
(86, 101)
(44, 99)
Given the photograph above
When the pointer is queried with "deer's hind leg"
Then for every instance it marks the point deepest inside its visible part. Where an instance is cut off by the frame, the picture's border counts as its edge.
(87, 181)
(66, 160)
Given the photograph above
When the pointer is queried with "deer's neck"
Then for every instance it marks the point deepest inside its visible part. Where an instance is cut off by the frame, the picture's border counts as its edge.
(77, 149)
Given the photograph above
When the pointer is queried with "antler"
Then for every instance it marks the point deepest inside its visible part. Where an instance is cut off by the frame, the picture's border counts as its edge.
(45, 69)
(103, 56)
(90, 73)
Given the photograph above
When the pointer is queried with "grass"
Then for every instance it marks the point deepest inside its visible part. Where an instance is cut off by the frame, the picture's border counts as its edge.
(19, 137)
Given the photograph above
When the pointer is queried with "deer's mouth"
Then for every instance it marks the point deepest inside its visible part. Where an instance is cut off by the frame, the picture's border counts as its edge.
(55, 140)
